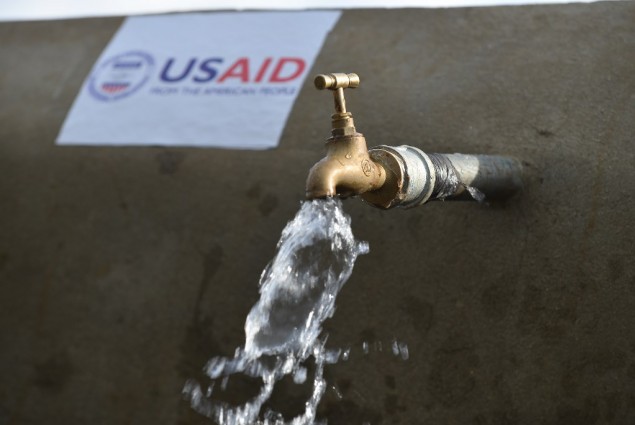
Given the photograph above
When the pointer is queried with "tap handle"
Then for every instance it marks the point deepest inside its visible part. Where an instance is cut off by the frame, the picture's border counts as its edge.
(336, 81)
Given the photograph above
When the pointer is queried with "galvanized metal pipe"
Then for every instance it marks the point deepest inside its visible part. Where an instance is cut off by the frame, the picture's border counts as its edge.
(414, 177)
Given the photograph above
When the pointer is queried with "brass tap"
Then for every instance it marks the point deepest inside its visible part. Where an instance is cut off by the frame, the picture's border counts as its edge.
(401, 176)
(347, 169)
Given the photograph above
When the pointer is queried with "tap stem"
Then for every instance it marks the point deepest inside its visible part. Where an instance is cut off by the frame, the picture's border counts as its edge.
(340, 102)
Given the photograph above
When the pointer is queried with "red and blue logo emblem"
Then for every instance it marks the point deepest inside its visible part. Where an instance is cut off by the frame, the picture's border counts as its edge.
(120, 76)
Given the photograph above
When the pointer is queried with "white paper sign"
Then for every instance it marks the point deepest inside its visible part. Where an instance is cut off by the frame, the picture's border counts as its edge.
(218, 80)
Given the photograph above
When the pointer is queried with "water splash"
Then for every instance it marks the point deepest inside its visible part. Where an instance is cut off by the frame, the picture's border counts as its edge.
(314, 258)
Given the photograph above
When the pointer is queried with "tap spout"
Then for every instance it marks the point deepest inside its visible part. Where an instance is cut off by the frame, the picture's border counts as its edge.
(347, 169)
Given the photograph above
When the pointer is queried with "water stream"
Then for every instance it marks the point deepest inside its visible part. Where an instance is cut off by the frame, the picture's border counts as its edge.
(314, 258)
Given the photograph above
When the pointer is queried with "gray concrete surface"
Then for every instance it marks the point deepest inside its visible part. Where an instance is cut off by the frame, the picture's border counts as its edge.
(122, 270)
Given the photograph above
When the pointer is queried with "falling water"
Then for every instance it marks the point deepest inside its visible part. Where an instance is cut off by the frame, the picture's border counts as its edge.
(314, 258)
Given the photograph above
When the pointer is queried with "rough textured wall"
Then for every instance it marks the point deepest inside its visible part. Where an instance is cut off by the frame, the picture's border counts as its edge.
(122, 270)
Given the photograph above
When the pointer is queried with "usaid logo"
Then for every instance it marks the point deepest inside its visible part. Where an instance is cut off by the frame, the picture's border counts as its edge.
(124, 74)
(240, 71)
(121, 76)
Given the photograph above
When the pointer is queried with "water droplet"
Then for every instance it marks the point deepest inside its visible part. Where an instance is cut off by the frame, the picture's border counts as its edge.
(346, 354)
(332, 356)
(299, 376)
(395, 347)
(337, 392)
(403, 350)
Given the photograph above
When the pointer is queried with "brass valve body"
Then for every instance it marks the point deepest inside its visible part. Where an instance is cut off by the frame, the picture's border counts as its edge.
(347, 168)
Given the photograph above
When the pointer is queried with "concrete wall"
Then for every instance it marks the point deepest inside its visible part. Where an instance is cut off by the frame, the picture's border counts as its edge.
(122, 270)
